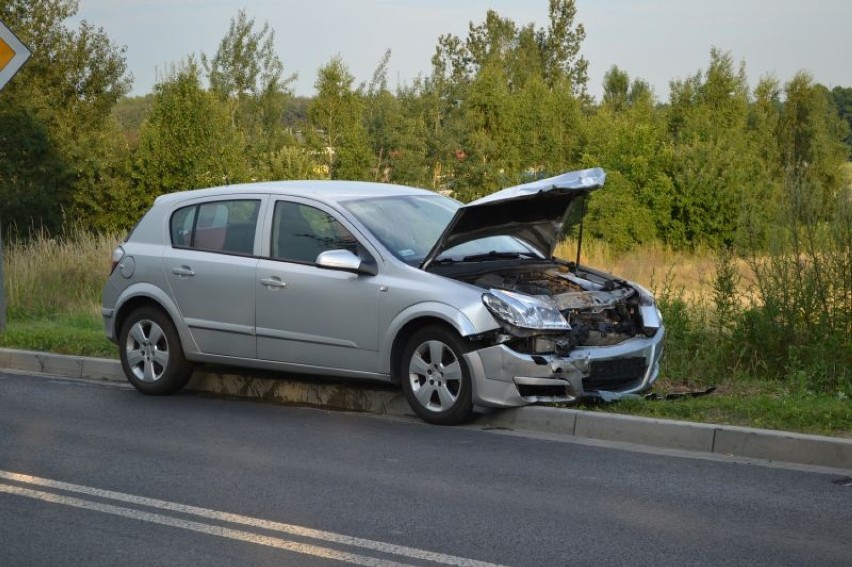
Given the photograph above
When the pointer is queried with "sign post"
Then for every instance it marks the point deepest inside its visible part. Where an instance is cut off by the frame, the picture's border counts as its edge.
(13, 55)
(2, 288)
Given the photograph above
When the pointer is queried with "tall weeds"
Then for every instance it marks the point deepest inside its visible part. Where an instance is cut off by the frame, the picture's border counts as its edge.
(800, 325)
(57, 274)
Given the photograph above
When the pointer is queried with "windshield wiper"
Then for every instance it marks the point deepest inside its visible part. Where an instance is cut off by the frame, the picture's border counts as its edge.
(494, 255)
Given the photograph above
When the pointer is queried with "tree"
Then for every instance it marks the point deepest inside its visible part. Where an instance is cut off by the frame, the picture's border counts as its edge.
(843, 101)
(396, 130)
(712, 158)
(627, 136)
(336, 115)
(811, 137)
(616, 88)
(188, 140)
(34, 178)
(63, 147)
(505, 101)
(248, 74)
(560, 46)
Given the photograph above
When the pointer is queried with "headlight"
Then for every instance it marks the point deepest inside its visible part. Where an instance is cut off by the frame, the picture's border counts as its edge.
(523, 312)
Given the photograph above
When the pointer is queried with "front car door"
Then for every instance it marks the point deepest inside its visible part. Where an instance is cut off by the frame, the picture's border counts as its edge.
(308, 315)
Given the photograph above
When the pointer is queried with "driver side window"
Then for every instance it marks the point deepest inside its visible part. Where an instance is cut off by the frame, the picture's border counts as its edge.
(301, 232)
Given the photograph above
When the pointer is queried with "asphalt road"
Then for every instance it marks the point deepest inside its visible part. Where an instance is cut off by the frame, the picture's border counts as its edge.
(96, 474)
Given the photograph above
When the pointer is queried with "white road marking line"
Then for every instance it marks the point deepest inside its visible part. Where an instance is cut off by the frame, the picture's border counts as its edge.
(208, 529)
(300, 531)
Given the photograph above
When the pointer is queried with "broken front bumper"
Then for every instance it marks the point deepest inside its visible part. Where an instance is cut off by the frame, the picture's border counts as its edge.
(502, 377)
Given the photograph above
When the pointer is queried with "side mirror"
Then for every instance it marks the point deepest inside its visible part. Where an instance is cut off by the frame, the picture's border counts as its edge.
(345, 261)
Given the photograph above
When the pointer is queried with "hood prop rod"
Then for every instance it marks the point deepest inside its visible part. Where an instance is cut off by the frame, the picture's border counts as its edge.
(580, 235)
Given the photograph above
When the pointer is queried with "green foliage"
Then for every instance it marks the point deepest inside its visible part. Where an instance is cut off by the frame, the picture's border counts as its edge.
(753, 403)
(842, 97)
(33, 175)
(289, 162)
(505, 102)
(59, 106)
(188, 140)
(80, 334)
(560, 46)
(628, 138)
(616, 88)
(396, 130)
(130, 113)
(811, 137)
(617, 216)
(246, 73)
(802, 321)
(336, 116)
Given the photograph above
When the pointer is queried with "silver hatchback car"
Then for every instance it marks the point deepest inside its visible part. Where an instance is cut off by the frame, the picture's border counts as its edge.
(463, 305)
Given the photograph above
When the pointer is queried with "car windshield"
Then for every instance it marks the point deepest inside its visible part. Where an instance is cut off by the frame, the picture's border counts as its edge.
(409, 225)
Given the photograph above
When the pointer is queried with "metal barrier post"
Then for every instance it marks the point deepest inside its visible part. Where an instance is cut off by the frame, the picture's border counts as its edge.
(2, 287)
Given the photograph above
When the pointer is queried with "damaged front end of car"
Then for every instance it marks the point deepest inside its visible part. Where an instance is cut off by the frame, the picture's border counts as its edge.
(603, 339)
(566, 331)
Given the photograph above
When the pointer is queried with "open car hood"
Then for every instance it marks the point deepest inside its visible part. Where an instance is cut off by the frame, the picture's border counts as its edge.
(533, 212)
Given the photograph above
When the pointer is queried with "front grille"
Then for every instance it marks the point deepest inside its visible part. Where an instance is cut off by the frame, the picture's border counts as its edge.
(615, 374)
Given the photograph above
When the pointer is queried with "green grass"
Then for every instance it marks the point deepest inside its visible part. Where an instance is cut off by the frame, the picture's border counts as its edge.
(78, 334)
(767, 405)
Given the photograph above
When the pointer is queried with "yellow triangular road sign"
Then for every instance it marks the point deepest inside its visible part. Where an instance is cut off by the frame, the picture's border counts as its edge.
(13, 54)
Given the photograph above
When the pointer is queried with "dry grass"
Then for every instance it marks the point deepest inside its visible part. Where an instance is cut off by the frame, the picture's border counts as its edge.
(690, 274)
(62, 274)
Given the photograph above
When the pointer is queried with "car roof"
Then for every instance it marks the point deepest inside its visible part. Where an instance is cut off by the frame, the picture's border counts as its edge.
(323, 190)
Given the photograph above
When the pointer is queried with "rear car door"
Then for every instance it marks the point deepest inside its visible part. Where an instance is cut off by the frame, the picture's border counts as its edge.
(210, 267)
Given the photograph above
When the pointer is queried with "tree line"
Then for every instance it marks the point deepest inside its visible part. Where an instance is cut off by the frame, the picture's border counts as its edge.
(505, 104)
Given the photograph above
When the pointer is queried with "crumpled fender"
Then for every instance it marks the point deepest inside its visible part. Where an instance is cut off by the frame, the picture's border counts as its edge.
(464, 325)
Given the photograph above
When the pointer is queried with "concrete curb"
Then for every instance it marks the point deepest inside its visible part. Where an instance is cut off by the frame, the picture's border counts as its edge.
(707, 438)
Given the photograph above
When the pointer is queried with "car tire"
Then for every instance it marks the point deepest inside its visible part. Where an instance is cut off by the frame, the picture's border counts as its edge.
(435, 377)
(151, 353)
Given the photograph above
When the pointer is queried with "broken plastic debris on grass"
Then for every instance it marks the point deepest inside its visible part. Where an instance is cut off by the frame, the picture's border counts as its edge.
(604, 397)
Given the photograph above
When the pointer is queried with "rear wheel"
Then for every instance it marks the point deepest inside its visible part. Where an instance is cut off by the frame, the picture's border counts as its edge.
(435, 377)
(151, 353)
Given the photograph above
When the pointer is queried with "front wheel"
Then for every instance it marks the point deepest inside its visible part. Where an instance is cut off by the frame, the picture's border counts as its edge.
(151, 353)
(435, 378)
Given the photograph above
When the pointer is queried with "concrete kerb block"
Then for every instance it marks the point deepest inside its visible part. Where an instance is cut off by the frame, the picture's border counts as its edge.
(644, 431)
(26, 361)
(548, 420)
(783, 446)
(61, 365)
(396, 405)
(103, 369)
(5, 358)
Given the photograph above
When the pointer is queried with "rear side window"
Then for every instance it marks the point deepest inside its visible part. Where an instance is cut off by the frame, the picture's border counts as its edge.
(219, 226)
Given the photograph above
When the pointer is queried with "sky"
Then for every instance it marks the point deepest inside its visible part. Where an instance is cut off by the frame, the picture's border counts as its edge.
(655, 40)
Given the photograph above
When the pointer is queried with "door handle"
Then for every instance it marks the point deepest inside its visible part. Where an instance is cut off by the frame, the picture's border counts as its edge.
(183, 272)
(273, 282)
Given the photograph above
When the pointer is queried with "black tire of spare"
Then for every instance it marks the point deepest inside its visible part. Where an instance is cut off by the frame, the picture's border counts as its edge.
(461, 410)
(176, 371)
